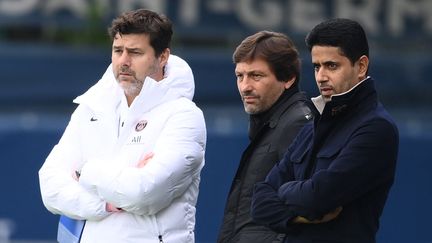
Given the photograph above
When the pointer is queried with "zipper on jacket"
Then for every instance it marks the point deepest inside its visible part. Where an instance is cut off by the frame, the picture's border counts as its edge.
(155, 223)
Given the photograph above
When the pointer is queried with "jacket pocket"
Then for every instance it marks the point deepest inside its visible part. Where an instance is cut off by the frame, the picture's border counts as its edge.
(299, 151)
(297, 156)
(327, 155)
(262, 163)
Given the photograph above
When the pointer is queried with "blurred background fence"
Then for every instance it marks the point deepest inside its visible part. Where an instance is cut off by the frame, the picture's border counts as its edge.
(53, 50)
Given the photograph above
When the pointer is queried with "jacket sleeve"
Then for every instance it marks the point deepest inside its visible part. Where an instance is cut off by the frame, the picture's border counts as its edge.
(267, 207)
(61, 194)
(176, 165)
(364, 163)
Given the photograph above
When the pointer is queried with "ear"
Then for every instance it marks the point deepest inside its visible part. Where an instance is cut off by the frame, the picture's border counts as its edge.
(163, 58)
(363, 66)
(290, 82)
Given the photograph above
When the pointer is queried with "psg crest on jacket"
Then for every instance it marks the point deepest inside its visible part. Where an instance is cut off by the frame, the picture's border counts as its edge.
(140, 125)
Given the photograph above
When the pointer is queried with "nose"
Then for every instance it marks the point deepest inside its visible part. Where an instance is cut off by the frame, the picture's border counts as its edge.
(321, 75)
(125, 59)
(245, 85)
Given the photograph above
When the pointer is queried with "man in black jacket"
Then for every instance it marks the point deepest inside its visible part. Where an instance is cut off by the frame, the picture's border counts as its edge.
(268, 73)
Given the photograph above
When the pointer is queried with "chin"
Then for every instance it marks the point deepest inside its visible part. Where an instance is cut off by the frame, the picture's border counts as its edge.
(326, 98)
(249, 110)
(131, 90)
(253, 110)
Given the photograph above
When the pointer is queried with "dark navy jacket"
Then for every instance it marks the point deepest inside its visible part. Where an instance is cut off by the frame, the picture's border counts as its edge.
(345, 157)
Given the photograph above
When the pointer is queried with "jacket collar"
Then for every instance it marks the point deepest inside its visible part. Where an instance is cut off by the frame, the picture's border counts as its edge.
(106, 94)
(350, 98)
(363, 92)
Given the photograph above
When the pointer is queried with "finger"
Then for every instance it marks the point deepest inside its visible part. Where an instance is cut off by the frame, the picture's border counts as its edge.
(145, 160)
(148, 156)
(112, 208)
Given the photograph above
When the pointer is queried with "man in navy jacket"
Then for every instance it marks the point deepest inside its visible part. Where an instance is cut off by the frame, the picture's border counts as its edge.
(333, 182)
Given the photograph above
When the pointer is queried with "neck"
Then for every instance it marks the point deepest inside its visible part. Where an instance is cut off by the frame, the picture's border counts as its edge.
(130, 99)
(159, 75)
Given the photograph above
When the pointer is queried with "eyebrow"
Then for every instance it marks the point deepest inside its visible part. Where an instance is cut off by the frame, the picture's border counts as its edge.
(330, 62)
(133, 48)
(127, 48)
(325, 63)
(251, 72)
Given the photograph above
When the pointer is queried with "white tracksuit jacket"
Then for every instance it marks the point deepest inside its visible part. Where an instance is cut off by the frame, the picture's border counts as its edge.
(105, 141)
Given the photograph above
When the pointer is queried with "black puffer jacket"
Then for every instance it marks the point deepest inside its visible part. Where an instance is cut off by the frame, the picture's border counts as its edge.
(270, 134)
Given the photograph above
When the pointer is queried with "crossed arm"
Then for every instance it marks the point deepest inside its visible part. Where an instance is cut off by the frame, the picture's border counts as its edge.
(109, 206)
(144, 189)
(282, 200)
(177, 161)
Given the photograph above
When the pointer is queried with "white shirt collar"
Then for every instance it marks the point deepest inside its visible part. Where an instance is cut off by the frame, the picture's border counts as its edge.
(319, 100)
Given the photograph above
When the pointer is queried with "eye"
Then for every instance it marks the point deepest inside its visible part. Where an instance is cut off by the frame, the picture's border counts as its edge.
(135, 53)
(332, 66)
(256, 76)
(239, 76)
(316, 68)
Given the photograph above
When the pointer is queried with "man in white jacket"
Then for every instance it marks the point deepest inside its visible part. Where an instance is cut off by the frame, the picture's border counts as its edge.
(129, 161)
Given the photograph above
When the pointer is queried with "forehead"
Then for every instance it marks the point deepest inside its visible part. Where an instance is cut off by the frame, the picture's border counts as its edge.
(254, 65)
(132, 40)
(322, 54)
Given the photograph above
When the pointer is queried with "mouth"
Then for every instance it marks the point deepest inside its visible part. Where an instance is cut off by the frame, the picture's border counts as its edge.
(249, 99)
(326, 90)
(125, 77)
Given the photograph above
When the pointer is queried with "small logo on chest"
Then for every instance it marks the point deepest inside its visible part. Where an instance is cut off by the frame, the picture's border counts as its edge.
(140, 125)
(136, 139)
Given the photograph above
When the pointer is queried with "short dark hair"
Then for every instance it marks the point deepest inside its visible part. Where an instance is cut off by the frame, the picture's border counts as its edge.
(276, 49)
(143, 21)
(346, 34)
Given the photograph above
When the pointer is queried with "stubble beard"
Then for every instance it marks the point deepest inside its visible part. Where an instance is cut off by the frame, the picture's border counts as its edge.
(253, 109)
(133, 86)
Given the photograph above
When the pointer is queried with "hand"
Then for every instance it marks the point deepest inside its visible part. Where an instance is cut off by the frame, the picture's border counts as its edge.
(111, 208)
(145, 160)
(328, 217)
